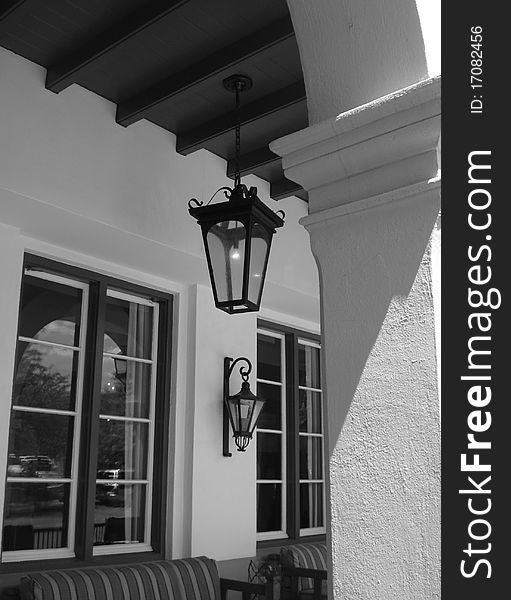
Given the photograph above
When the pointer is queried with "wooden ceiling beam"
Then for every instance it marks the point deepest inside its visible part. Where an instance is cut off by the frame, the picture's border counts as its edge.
(195, 139)
(135, 108)
(284, 188)
(13, 10)
(62, 74)
(281, 187)
(252, 160)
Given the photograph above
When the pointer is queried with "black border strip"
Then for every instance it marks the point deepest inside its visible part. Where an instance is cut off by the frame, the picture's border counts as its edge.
(474, 526)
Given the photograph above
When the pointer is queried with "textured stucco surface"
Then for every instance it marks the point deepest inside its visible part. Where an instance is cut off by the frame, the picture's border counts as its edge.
(385, 467)
(382, 399)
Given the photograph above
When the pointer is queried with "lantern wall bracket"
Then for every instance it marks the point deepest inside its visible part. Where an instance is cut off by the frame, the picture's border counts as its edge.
(229, 365)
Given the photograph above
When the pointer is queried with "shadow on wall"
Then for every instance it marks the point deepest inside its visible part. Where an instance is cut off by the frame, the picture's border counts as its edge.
(366, 261)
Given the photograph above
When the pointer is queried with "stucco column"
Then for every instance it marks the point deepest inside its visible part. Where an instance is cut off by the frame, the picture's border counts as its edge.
(371, 174)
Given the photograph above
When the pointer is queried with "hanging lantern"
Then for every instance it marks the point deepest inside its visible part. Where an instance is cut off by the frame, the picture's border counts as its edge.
(237, 234)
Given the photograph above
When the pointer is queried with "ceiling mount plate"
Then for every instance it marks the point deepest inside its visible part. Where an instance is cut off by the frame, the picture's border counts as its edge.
(242, 83)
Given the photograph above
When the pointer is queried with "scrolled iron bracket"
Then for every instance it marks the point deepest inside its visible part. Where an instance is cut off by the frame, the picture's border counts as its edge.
(194, 203)
(244, 371)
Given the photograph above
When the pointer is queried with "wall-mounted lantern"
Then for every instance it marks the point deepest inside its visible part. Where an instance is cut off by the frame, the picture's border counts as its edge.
(237, 234)
(242, 410)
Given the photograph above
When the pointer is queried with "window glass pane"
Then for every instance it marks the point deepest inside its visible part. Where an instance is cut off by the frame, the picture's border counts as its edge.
(125, 388)
(271, 415)
(269, 507)
(45, 376)
(40, 445)
(311, 505)
(268, 358)
(119, 514)
(50, 311)
(122, 447)
(308, 366)
(128, 328)
(269, 456)
(311, 457)
(310, 411)
(36, 516)
(226, 242)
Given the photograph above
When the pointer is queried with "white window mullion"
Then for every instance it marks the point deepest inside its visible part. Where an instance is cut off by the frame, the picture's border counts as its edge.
(270, 430)
(284, 433)
(312, 484)
(29, 340)
(45, 411)
(145, 361)
(152, 408)
(122, 481)
(279, 534)
(306, 388)
(111, 293)
(269, 382)
(39, 479)
(104, 417)
(77, 424)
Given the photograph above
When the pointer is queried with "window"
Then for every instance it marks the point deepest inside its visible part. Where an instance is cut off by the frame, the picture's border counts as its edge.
(88, 409)
(290, 435)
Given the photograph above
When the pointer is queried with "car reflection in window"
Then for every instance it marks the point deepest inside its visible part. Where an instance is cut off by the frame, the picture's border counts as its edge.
(110, 493)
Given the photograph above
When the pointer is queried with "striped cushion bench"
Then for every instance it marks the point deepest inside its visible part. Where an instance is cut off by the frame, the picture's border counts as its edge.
(305, 556)
(183, 579)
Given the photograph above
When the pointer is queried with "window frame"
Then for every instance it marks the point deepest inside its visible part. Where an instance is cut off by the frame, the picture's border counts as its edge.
(76, 413)
(309, 531)
(292, 337)
(144, 546)
(282, 533)
(83, 552)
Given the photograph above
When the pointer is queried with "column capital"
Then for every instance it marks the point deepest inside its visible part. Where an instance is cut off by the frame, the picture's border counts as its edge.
(386, 145)
(424, 191)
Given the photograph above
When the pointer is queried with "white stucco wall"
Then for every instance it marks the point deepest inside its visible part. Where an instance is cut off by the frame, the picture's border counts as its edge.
(77, 187)
(223, 486)
(353, 52)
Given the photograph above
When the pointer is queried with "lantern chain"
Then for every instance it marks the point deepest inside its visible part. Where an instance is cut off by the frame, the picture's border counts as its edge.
(237, 148)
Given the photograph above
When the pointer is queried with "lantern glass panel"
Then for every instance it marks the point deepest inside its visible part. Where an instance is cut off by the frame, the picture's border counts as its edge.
(258, 407)
(260, 247)
(233, 414)
(226, 243)
(246, 408)
(244, 413)
(241, 412)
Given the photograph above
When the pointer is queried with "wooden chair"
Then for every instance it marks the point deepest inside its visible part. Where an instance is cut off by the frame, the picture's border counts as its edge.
(290, 589)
